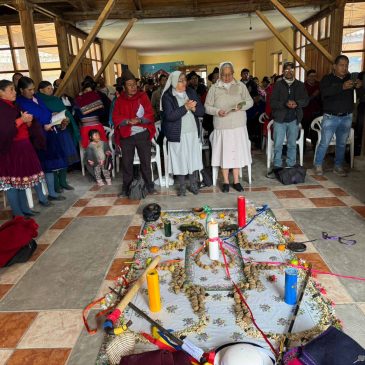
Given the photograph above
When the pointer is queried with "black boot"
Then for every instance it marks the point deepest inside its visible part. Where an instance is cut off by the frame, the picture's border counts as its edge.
(193, 185)
(182, 186)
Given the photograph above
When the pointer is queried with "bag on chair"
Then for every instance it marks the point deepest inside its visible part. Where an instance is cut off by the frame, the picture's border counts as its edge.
(137, 189)
(291, 175)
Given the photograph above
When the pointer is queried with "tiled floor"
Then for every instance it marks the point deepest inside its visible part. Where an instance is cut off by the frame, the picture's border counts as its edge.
(48, 336)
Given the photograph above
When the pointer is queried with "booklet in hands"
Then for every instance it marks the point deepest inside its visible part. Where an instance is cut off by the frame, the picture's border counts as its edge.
(237, 107)
(58, 118)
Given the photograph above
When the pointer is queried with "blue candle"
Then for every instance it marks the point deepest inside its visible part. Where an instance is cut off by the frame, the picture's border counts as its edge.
(291, 279)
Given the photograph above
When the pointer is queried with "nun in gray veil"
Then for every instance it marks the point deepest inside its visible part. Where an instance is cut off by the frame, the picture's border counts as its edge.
(181, 108)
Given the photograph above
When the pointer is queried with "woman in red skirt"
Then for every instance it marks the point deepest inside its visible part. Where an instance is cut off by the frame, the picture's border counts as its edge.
(19, 165)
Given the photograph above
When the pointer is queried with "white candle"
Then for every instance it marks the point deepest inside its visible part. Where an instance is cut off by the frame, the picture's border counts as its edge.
(213, 245)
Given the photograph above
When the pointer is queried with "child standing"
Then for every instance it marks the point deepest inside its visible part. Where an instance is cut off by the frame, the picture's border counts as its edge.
(96, 155)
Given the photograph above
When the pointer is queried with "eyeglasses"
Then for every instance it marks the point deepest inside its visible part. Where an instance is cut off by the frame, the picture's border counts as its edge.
(341, 239)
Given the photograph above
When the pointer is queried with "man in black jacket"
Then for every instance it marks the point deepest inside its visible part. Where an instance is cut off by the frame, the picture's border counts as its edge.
(287, 101)
(337, 90)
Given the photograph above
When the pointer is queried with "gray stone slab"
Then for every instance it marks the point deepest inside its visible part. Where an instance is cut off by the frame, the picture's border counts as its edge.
(342, 259)
(354, 321)
(87, 346)
(69, 274)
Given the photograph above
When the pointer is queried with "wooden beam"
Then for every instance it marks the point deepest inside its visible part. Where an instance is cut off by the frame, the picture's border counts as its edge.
(116, 46)
(138, 5)
(302, 30)
(30, 40)
(281, 39)
(90, 38)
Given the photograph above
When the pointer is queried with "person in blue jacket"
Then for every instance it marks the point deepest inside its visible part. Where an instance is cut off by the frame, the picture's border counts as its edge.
(181, 108)
(53, 158)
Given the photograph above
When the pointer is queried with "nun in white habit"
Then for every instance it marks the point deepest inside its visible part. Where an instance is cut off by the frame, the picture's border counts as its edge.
(181, 108)
(228, 100)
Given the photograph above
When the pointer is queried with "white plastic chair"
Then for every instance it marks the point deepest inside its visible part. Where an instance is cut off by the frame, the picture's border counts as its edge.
(110, 135)
(204, 140)
(155, 156)
(316, 126)
(262, 119)
(270, 144)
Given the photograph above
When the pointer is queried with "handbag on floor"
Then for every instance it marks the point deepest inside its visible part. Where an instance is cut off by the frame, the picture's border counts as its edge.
(17, 242)
(291, 175)
(137, 189)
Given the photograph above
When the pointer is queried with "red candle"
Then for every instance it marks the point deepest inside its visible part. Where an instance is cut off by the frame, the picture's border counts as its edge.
(241, 209)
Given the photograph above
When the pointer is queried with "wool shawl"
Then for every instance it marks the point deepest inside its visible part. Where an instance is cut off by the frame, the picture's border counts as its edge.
(126, 108)
(55, 104)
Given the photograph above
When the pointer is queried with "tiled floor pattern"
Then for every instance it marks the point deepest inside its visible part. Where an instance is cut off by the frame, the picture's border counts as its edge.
(47, 337)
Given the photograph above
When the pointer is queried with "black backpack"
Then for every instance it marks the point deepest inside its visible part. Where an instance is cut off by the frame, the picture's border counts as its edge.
(137, 189)
(291, 175)
(24, 254)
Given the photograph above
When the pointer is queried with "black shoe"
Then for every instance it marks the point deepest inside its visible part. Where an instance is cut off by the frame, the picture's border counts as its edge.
(57, 198)
(225, 188)
(194, 189)
(181, 191)
(46, 204)
(68, 187)
(58, 190)
(31, 213)
(238, 187)
(123, 194)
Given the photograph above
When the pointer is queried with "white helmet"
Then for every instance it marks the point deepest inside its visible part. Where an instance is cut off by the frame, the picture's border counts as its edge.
(243, 354)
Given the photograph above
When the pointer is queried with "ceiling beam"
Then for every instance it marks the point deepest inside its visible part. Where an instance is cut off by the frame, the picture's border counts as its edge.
(180, 12)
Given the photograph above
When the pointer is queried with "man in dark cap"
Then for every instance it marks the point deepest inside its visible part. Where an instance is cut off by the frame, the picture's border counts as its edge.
(288, 98)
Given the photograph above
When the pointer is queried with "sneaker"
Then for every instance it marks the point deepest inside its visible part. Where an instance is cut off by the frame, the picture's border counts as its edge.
(338, 170)
(47, 203)
(100, 182)
(57, 198)
(123, 194)
(318, 170)
(108, 181)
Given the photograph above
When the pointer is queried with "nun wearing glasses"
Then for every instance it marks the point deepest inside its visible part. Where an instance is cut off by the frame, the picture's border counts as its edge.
(181, 108)
(228, 100)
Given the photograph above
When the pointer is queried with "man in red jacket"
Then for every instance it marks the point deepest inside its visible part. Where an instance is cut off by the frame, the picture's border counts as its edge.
(134, 129)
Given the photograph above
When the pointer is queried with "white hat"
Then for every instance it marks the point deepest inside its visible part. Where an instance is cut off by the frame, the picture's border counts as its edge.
(243, 354)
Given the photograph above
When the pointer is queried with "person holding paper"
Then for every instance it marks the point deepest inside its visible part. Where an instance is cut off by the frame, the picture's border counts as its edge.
(52, 158)
(66, 127)
(181, 108)
(228, 100)
(134, 128)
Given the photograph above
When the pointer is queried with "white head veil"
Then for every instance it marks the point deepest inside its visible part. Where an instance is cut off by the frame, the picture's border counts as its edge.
(171, 81)
(223, 65)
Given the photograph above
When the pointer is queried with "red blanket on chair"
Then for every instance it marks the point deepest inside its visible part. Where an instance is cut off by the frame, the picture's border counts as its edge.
(14, 235)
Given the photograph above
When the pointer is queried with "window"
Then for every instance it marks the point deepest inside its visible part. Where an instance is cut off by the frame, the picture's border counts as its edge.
(75, 42)
(117, 70)
(320, 29)
(353, 39)
(13, 56)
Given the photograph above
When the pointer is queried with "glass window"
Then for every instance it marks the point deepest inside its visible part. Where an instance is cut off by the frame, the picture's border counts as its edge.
(46, 34)
(302, 43)
(93, 53)
(95, 67)
(16, 35)
(51, 75)
(315, 30)
(98, 51)
(356, 61)
(75, 47)
(6, 63)
(297, 39)
(88, 53)
(353, 39)
(80, 42)
(4, 39)
(49, 57)
(329, 26)
(322, 28)
(354, 14)
(20, 56)
(310, 29)
(69, 44)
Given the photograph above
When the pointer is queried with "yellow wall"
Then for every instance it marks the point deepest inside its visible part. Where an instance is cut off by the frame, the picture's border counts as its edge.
(240, 59)
(264, 51)
(127, 56)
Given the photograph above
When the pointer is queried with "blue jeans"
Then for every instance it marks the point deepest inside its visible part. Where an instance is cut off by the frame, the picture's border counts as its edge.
(333, 125)
(290, 131)
(18, 202)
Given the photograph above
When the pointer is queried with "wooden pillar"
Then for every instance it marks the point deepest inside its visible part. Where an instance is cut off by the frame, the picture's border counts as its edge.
(30, 41)
(302, 30)
(116, 46)
(90, 38)
(281, 39)
(62, 42)
(336, 32)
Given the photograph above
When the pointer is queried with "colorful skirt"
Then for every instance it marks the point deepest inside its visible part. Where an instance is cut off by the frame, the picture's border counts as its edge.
(20, 167)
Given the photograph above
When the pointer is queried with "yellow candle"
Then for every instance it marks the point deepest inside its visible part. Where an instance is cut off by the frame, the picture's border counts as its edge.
(153, 288)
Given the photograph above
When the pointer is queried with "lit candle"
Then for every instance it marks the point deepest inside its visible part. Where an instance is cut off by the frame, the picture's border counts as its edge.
(241, 211)
(213, 240)
(153, 288)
